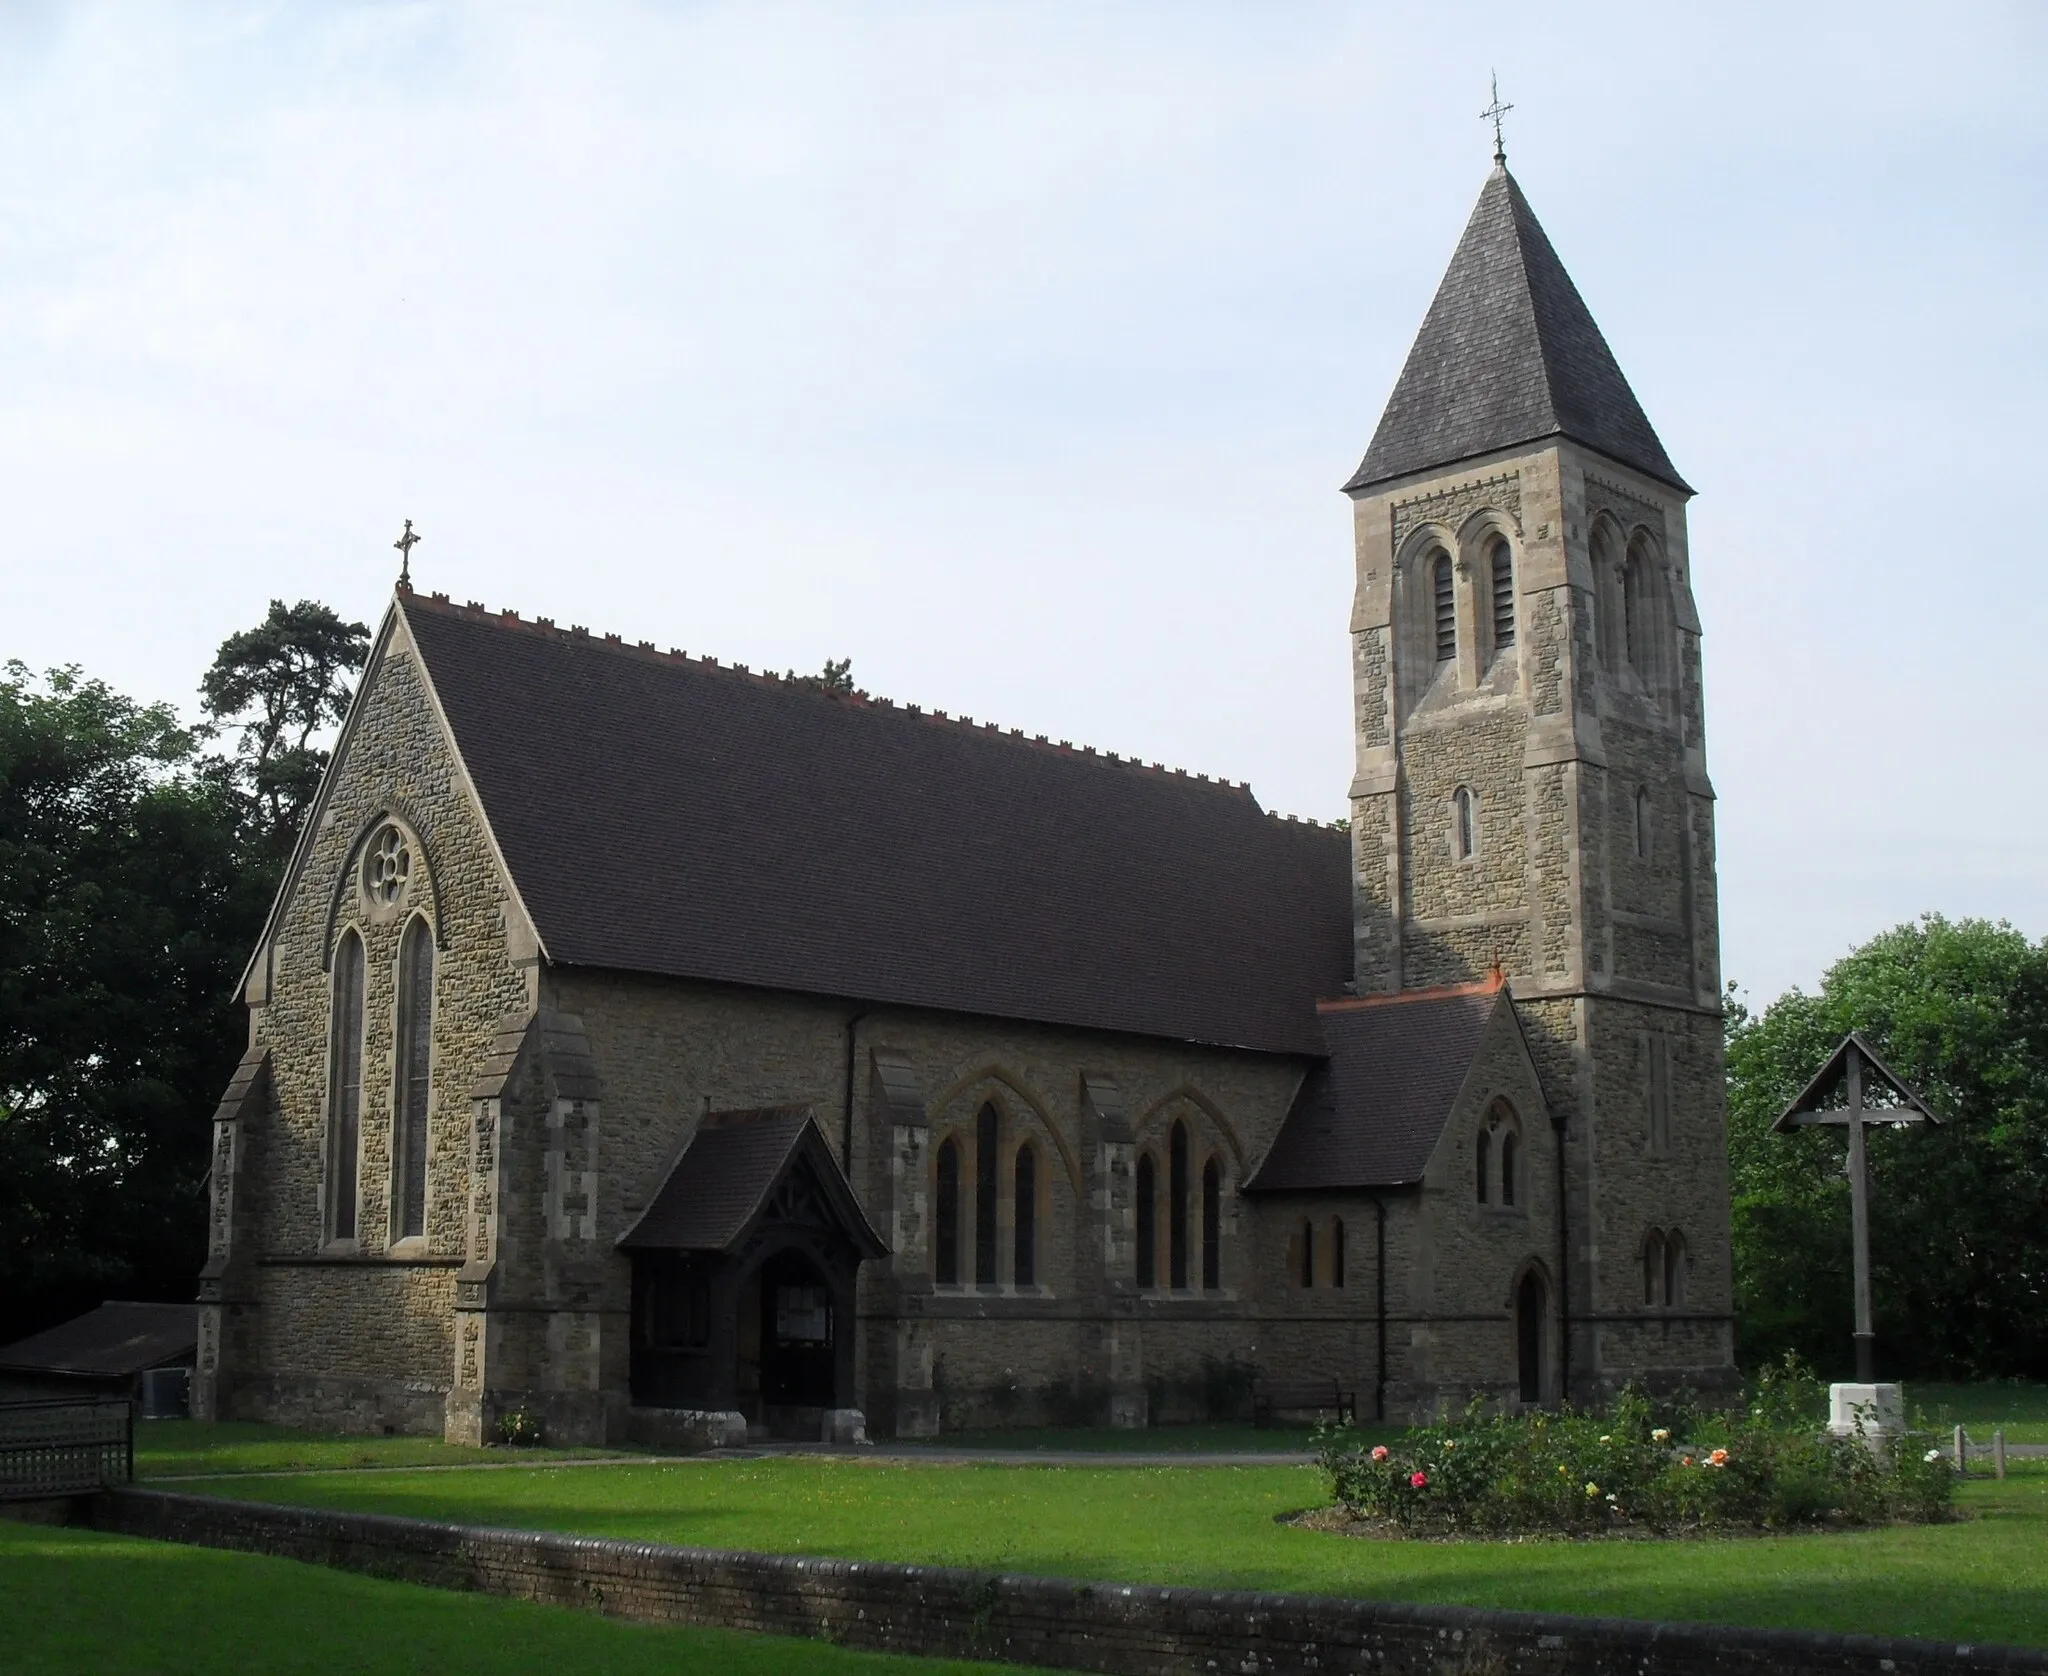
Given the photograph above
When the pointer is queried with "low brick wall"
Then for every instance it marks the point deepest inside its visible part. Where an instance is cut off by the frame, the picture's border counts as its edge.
(1131, 1630)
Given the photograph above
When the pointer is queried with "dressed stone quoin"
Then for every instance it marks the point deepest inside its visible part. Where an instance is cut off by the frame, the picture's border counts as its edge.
(664, 1050)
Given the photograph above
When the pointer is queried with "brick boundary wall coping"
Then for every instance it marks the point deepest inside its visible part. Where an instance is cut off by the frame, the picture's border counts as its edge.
(1124, 1629)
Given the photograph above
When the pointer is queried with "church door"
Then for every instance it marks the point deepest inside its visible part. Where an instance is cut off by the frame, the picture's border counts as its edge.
(1529, 1313)
(798, 1334)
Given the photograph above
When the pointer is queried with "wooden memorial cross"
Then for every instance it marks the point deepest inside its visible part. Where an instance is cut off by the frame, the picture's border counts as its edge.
(1845, 1071)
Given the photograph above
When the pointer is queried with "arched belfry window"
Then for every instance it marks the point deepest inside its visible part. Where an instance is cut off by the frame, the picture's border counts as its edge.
(1503, 596)
(414, 1060)
(946, 1233)
(1148, 1222)
(345, 1087)
(1177, 1207)
(1212, 1227)
(985, 1167)
(1444, 602)
(1464, 823)
(1024, 1268)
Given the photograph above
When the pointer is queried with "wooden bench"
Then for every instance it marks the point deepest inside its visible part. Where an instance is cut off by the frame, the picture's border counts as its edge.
(1274, 1396)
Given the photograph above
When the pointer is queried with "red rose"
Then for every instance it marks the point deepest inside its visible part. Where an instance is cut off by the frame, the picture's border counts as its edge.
(1418, 1480)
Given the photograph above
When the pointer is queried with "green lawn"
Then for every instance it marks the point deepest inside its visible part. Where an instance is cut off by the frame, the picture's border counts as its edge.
(174, 1448)
(1985, 1579)
(75, 1601)
(2021, 1409)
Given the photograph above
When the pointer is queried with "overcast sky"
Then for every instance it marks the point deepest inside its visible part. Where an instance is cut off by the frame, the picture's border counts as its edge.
(1017, 353)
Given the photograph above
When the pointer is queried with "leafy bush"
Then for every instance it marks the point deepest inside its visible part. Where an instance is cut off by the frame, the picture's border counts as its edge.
(520, 1428)
(1634, 1466)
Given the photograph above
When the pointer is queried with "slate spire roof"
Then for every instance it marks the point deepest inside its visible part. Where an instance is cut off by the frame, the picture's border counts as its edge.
(1508, 354)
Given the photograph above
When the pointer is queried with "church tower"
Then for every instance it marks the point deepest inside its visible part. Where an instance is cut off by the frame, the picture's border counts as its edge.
(1531, 789)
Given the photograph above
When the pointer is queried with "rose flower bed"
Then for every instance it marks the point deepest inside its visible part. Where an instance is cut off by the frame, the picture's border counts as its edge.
(1637, 1468)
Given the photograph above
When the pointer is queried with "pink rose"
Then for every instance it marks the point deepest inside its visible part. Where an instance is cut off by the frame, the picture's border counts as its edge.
(1379, 1451)
(1418, 1480)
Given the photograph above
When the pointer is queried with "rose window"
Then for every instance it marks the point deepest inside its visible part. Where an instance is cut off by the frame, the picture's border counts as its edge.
(387, 868)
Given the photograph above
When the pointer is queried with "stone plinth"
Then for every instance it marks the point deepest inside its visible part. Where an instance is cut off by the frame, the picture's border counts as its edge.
(1876, 1413)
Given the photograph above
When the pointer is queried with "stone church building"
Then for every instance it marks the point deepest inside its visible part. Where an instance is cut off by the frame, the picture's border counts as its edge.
(639, 1042)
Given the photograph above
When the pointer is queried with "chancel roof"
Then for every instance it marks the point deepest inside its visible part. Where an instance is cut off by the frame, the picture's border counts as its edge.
(666, 815)
(1508, 354)
(1371, 1114)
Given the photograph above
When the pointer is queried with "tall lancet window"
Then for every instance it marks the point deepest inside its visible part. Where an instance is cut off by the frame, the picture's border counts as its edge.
(1177, 1207)
(946, 1233)
(415, 1075)
(985, 1165)
(1024, 1268)
(1148, 1222)
(345, 1087)
(1445, 602)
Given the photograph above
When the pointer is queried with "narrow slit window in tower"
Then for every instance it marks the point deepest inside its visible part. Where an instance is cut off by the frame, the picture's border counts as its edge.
(1465, 823)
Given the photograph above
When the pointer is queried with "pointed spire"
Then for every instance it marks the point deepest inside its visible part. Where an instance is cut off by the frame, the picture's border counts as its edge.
(1508, 354)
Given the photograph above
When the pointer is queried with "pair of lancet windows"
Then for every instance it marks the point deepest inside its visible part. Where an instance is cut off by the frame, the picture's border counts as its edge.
(947, 1244)
(1307, 1250)
(1664, 1268)
(1633, 621)
(1497, 1158)
(386, 878)
(1443, 595)
(1176, 1208)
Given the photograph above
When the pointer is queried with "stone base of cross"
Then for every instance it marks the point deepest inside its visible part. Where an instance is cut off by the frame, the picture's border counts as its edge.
(1874, 1413)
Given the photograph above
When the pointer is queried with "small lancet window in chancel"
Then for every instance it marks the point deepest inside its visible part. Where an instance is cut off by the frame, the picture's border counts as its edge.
(1444, 601)
(1024, 1267)
(1485, 1171)
(1503, 597)
(1336, 1251)
(1148, 1222)
(985, 1169)
(1212, 1227)
(1508, 1160)
(1308, 1253)
(946, 1235)
(1177, 1207)
(1653, 1270)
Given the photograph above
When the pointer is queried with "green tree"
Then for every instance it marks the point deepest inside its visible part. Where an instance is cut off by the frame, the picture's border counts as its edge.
(124, 919)
(281, 683)
(1959, 1214)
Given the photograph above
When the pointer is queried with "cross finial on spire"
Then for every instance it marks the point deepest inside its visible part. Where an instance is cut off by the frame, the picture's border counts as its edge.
(405, 545)
(1493, 113)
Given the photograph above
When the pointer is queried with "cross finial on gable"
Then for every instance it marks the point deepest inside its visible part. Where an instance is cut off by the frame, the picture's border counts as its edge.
(1493, 113)
(405, 545)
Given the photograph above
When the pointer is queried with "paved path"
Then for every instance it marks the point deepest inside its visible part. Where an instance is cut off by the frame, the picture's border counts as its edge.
(892, 1453)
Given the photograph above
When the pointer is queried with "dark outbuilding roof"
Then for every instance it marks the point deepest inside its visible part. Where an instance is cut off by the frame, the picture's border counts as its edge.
(1508, 354)
(1371, 1116)
(720, 1184)
(115, 1341)
(661, 814)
